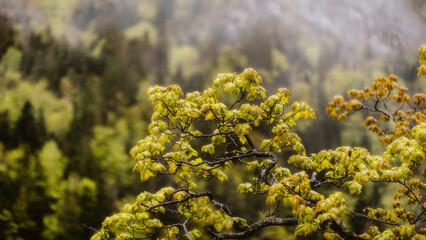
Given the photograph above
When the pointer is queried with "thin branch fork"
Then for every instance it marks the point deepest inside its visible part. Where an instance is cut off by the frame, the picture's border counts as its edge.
(372, 219)
(191, 195)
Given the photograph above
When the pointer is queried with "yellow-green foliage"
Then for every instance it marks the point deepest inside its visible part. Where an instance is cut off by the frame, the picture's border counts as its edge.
(57, 112)
(52, 162)
(197, 136)
(11, 61)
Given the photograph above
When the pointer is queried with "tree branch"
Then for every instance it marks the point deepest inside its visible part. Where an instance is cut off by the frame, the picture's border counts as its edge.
(344, 231)
(191, 195)
(251, 229)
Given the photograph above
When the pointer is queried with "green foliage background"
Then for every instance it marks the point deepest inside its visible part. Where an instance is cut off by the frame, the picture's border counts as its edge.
(73, 101)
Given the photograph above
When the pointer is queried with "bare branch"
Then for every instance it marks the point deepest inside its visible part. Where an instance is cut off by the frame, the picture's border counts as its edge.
(251, 229)
(344, 231)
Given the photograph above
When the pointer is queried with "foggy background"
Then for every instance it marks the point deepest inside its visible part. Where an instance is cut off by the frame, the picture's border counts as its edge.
(74, 75)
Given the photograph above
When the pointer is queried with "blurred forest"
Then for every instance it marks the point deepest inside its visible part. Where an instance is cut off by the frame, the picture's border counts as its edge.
(74, 75)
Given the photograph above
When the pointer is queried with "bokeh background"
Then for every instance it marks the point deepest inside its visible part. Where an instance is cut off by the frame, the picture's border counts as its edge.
(74, 75)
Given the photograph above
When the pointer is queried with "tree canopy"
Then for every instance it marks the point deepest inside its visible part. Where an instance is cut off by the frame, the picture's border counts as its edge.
(196, 138)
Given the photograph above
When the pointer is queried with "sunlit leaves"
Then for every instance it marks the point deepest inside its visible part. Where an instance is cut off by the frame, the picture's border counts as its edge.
(301, 110)
(353, 187)
(307, 225)
(388, 100)
(332, 236)
(245, 187)
(281, 173)
(310, 218)
(332, 207)
(243, 130)
(245, 83)
(251, 113)
(381, 214)
(221, 176)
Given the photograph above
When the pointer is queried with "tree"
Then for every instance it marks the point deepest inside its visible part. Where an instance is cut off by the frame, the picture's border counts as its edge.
(199, 138)
(28, 130)
(7, 34)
